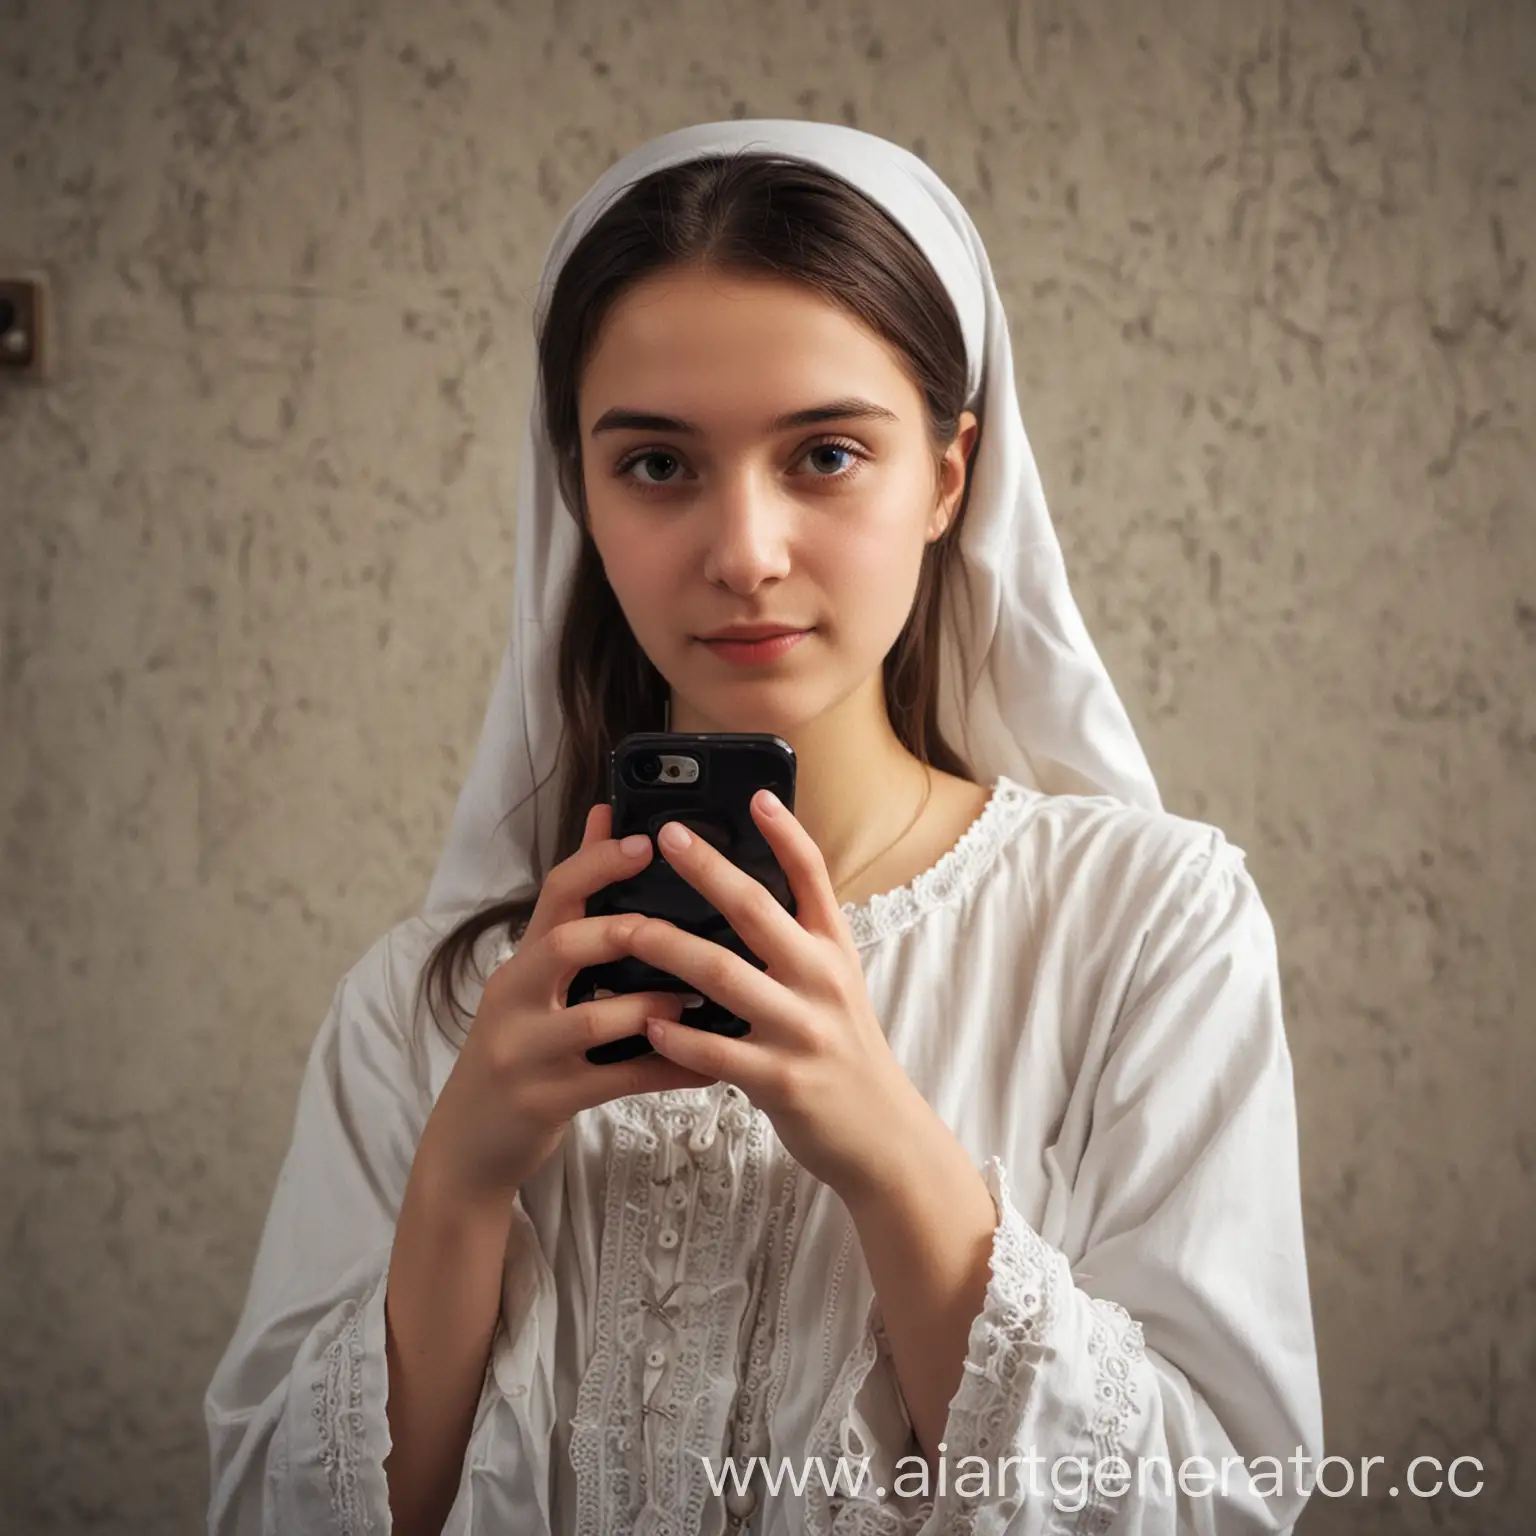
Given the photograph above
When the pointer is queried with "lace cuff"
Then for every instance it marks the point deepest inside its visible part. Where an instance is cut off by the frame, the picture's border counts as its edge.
(866, 1423)
(1009, 1341)
(1032, 1321)
(339, 1438)
(1026, 1375)
(338, 1435)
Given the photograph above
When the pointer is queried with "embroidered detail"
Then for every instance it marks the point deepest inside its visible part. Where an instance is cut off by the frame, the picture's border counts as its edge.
(834, 1290)
(872, 1518)
(645, 1422)
(768, 1348)
(338, 1413)
(1009, 1337)
(889, 912)
(1116, 1343)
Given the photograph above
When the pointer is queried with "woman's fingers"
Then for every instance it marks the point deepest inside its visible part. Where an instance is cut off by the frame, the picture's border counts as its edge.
(556, 957)
(600, 861)
(616, 1018)
(603, 1019)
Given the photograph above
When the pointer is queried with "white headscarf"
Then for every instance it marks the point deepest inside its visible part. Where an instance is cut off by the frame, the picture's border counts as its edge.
(1043, 711)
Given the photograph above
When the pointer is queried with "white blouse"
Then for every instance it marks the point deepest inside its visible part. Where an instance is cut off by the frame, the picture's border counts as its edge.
(1088, 995)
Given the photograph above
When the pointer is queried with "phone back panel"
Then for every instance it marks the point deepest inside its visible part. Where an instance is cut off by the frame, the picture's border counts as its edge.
(733, 766)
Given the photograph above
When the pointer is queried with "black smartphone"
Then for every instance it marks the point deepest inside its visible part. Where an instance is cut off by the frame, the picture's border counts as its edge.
(705, 780)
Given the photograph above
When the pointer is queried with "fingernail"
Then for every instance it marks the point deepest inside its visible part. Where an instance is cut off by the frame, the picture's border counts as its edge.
(771, 803)
(635, 844)
(676, 835)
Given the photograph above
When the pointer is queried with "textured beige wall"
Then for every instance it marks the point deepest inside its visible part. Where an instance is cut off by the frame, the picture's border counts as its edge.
(1268, 266)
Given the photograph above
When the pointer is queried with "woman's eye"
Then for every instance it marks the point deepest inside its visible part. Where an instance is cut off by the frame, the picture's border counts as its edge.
(650, 456)
(645, 458)
(841, 448)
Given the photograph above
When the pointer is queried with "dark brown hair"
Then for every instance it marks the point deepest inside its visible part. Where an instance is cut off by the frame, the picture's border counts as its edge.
(746, 214)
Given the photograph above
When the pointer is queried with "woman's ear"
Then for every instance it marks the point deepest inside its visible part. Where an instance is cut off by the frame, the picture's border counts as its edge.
(964, 446)
(953, 471)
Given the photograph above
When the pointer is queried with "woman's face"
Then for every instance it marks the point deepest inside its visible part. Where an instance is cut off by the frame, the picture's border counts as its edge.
(718, 516)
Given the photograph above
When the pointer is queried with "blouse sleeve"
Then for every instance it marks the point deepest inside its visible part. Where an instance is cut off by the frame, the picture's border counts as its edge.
(295, 1412)
(1174, 1333)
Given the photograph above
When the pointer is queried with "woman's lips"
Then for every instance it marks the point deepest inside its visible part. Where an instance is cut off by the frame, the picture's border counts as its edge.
(751, 653)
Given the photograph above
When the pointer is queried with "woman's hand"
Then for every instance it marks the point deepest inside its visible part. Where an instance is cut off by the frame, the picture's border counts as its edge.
(817, 1062)
(522, 1072)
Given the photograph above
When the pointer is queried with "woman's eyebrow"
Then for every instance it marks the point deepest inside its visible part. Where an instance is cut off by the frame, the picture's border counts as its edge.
(852, 408)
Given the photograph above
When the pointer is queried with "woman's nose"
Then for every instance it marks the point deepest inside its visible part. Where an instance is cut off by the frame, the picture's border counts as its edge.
(747, 537)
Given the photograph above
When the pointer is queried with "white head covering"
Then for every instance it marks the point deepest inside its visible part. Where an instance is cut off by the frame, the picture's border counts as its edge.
(1043, 710)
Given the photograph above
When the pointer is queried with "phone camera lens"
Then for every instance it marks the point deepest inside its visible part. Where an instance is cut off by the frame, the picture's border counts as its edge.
(648, 768)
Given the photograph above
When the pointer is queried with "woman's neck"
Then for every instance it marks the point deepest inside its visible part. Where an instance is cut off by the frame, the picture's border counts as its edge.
(857, 786)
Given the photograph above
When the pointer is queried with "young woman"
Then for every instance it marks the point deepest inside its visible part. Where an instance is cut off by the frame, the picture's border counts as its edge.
(998, 1199)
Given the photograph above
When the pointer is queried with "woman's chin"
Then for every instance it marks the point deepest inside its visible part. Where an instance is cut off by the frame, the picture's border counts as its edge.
(747, 705)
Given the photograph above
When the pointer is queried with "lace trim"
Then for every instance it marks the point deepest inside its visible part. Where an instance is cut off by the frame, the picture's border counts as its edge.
(338, 1414)
(1116, 1343)
(636, 1460)
(1008, 1339)
(768, 1349)
(1027, 1283)
(890, 912)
